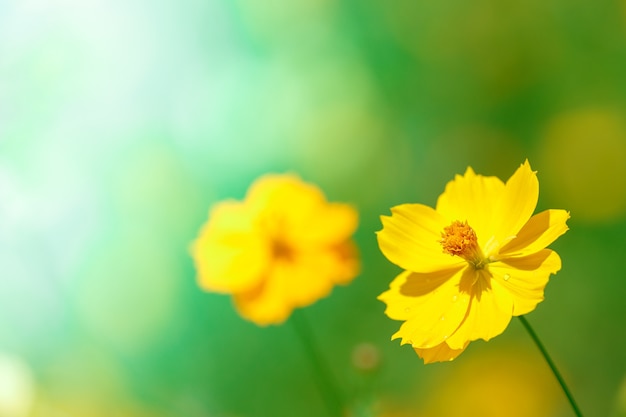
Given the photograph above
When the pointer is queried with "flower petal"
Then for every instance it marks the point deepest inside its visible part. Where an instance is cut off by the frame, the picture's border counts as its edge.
(282, 190)
(313, 274)
(430, 304)
(541, 230)
(266, 303)
(228, 254)
(410, 239)
(517, 203)
(489, 312)
(297, 282)
(321, 224)
(300, 211)
(472, 198)
(525, 278)
(229, 217)
(439, 353)
(345, 264)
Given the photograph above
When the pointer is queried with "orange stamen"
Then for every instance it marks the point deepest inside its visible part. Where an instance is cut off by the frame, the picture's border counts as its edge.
(459, 239)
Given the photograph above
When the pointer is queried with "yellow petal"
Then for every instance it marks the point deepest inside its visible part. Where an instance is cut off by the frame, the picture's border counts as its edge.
(322, 224)
(300, 211)
(230, 217)
(410, 239)
(296, 282)
(489, 311)
(472, 198)
(229, 255)
(311, 275)
(266, 303)
(541, 230)
(517, 203)
(526, 277)
(430, 304)
(345, 263)
(439, 353)
(284, 191)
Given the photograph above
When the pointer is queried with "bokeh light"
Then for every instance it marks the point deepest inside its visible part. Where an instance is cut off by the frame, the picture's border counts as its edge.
(508, 382)
(17, 387)
(589, 175)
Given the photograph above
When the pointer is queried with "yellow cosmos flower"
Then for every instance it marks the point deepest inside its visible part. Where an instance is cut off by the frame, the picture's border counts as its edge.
(283, 247)
(471, 263)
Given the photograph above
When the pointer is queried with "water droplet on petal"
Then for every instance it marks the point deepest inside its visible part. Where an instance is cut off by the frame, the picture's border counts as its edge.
(442, 318)
(445, 337)
(406, 310)
(454, 298)
(506, 277)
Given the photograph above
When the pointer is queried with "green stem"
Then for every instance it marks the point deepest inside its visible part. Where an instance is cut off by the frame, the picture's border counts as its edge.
(321, 371)
(551, 364)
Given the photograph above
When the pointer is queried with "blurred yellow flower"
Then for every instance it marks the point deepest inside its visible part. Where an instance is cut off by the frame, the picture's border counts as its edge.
(283, 247)
(471, 263)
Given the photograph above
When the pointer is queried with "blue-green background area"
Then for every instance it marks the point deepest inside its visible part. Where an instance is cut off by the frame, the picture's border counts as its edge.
(121, 123)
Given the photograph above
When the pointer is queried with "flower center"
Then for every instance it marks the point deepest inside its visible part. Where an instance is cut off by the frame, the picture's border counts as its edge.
(281, 249)
(459, 239)
(273, 224)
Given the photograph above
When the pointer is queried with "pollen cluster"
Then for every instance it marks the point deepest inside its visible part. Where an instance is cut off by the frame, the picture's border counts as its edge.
(460, 239)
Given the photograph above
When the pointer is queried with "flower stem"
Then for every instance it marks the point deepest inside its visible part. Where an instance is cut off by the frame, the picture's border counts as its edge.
(551, 364)
(321, 372)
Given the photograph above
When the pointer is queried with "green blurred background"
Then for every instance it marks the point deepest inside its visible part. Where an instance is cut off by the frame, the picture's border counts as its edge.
(122, 122)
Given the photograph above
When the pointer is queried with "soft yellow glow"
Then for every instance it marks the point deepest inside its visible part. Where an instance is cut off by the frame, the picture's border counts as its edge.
(508, 383)
(582, 157)
(17, 387)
